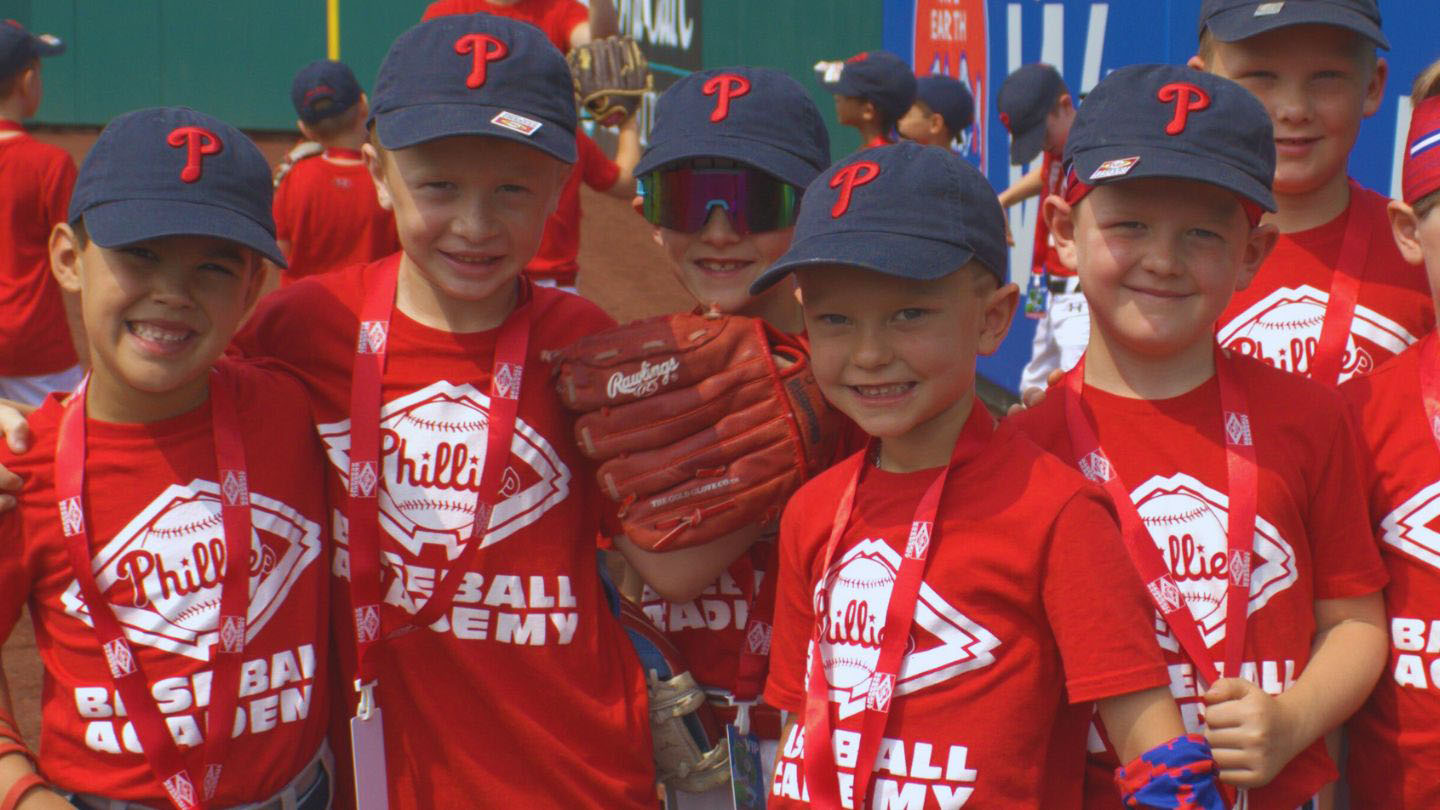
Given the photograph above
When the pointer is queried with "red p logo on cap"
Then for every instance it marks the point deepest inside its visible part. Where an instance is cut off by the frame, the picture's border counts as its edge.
(1187, 98)
(198, 142)
(483, 50)
(724, 87)
(848, 179)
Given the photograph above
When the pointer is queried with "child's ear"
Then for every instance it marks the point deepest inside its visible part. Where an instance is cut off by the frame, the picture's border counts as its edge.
(1375, 86)
(1258, 244)
(376, 165)
(996, 317)
(1405, 227)
(65, 257)
(1196, 62)
(870, 113)
(1060, 217)
(937, 124)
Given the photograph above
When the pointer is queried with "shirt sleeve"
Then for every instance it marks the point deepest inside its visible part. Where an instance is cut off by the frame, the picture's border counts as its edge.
(1103, 624)
(794, 611)
(597, 169)
(1345, 557)
(563, 20)
(14, 581)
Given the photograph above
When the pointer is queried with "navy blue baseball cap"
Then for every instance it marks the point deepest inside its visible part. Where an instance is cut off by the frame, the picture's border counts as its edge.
(172, 171)
(880, 77)
(324, 89)
(1169, 121)
(757, 116)
(18, 47)
(475, 74)
(949, 97)
(1232, 20)
(1025, 100)
(904, 210)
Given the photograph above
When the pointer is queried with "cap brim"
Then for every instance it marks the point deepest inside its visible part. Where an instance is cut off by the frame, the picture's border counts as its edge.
(1178, 165)
(782, 164)
(1026, 146)
(408, 126)
(125, 222)
(902, 256)
(840, 87)
(1240, 23)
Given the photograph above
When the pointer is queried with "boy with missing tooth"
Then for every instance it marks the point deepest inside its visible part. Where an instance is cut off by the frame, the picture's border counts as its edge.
(947, 592)
(1234, 481)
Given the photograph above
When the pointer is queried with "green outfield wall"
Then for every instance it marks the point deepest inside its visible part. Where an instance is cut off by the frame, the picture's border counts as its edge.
(235, 60)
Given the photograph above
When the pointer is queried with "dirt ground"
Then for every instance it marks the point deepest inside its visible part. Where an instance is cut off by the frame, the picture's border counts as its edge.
(621, 269)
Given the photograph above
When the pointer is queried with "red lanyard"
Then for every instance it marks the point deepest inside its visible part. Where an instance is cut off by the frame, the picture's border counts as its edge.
(1243, 491)
(1329, 360)
(366, 471)
(164, 757)
(1042, 228)
(1430, 385)
(821, 776)
(755, 647)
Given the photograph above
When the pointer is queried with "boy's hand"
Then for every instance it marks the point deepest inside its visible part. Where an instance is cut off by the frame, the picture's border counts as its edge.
(17, 436)
(1249, 731)
(1031, 397)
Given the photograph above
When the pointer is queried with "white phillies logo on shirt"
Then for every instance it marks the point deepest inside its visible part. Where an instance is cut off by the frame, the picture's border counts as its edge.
(1283, 329)
(163, 571)
(1409, 526)
(853, 617)
(432, 452)
(1188, 522)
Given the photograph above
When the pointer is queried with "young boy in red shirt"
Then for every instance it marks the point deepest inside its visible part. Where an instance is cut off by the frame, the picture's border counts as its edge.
(945, 593)
(326, 213)
(1234, 480)
(1335, 299)
(1395, 739)
(873, 90)
(170, 551)
(40, 335)
(466, 562)
(942, 111)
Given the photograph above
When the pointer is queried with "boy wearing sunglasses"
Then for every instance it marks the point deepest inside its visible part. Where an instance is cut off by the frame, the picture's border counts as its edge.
(729, 153)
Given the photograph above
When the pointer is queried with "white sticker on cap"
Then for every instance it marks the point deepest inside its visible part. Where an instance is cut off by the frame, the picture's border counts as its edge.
(1114, 168)
(1267, 9)
(518, 123)
(830, 71)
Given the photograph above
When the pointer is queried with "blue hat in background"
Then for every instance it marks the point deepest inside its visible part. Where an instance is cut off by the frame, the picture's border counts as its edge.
(1168, 121)
(757, 116)
(880, 77)
(172, 171)
(949, 97)
(1025, 100)
(19, 47)
(905, 210)
(324, 89)
(1232, 20)
(475, 74)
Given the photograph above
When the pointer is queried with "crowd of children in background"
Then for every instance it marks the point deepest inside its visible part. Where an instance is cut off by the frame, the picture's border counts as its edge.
(301, 522)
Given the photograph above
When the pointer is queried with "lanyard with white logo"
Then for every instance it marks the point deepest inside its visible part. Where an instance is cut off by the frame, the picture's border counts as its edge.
(365, 469)
(159, 746)
(1243, 491)
(821, 775)
(1329, 360)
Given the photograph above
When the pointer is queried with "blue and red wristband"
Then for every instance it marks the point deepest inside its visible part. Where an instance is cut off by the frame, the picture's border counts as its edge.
(1179, 774)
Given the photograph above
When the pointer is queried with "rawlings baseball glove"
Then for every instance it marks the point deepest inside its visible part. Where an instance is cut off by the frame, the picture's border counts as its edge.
(703, 423)
(611, 75)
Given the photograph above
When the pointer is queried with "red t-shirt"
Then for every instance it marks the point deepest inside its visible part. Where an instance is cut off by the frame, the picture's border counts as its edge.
(557, 18)
(35, 183)
(529, 656)
(1311, 531)
(1395, 738)
(561, 243)
(329, 214)
(154, 512)
(1027, 604)
(1279, 317)
(1044, 255)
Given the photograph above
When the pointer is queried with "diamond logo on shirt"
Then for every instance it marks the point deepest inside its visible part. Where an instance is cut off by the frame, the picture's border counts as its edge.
(1187, 521)
(943, 643)
(432, 452)
(162, 573)
(1411, 526)
(1283, 330)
